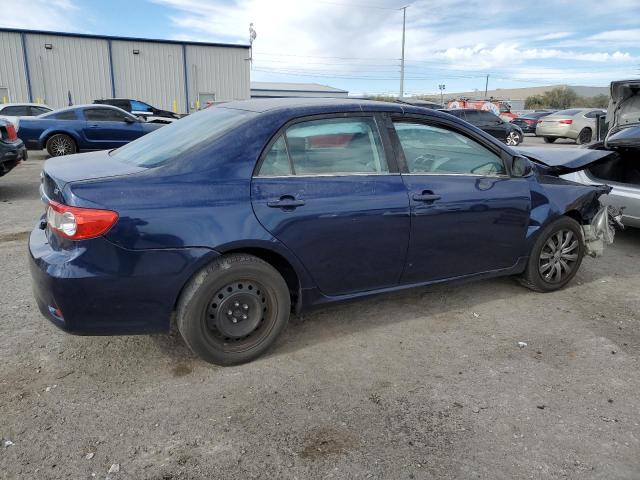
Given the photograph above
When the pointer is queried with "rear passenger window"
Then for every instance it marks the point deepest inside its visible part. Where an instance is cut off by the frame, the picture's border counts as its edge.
(435, 150)
(328, 147)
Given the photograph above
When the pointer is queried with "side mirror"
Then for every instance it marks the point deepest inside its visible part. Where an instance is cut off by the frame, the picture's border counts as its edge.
(520, 166)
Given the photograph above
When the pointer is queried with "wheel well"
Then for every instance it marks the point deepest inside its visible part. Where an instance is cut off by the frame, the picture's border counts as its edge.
(278, 262)
(576, 215)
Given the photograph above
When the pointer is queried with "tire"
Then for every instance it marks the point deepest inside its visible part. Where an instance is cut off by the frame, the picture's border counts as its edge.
(542, 254)
(584, 136)
(549, 139)
(61, 144)
(514, 138)
(233, 310)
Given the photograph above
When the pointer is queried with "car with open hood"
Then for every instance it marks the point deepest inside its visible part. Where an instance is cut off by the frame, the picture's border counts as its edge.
(614, 161)
(232, 218)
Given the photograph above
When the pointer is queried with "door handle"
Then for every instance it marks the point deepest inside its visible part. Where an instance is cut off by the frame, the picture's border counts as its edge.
(94, 126)
(427, 196)
(286, 202)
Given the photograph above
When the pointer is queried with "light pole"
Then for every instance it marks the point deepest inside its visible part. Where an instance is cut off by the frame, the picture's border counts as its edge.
(404, 21)
(442, 87)
(252, 37)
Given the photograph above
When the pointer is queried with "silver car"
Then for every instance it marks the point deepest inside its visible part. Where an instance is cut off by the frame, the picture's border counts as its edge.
(577, 124)
(615, 161)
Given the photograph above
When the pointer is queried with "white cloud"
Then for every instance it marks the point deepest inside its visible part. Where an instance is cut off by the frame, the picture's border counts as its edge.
(619, 37)
(55, 15)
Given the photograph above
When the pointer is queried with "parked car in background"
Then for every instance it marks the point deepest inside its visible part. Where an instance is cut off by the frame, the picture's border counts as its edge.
(619, 165)
(577, 124)
(83, 127)
(502, 108)
(12, 149)
(491, 123)
(236, 215)
(528, 122)
(13, 111)
(141, 109)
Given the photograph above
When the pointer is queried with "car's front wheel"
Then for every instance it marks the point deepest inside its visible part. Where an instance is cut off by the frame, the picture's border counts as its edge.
(514, 138)
(233, 310)
(555, 256)
(60, 144)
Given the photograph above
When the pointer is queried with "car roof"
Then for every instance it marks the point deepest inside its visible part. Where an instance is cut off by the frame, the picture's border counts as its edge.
(2, 105)
(318, 104)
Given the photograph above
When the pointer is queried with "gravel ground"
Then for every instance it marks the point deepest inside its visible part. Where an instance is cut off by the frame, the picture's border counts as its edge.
(429, 383)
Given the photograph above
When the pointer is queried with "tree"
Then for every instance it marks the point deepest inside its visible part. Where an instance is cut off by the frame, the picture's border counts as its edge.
(534, 101)
(599, 101)
(560, 98)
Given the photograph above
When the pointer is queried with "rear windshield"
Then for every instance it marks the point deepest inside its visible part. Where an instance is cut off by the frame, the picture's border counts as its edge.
(569, 113)
(175, 139)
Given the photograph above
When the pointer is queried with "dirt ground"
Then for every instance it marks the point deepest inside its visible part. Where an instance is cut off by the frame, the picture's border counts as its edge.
(424, 384)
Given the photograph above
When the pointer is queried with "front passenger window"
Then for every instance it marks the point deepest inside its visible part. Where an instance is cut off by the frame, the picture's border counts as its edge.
(436, 150)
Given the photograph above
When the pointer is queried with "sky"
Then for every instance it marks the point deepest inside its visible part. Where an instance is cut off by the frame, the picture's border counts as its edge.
(356, 44)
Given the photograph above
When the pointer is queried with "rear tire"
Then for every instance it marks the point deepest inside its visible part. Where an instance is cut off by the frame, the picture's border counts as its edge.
(584, 136)
(61, 144)
(555, 257)
(233, 310)
(549, 139)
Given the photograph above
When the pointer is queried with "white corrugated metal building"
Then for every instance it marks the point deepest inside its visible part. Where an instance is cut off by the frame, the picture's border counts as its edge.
(44, 67)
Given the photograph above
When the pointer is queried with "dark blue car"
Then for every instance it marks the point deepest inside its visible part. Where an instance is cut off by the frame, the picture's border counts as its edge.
(88, 127)
(241, 213)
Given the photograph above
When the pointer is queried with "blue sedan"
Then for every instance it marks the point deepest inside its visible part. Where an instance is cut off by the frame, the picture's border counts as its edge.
(238, 215)
(89, 127)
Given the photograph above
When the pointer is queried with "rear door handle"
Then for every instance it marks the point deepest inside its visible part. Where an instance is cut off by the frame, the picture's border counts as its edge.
(286, 202)
(427, 196)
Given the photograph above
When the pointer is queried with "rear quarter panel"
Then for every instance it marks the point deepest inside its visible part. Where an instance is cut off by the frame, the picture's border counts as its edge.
(35, 132)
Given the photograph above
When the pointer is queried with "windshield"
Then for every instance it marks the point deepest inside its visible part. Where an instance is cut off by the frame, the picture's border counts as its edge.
(171, 141)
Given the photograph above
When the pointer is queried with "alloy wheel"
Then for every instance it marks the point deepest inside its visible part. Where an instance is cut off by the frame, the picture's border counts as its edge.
(558, 256)
(61, 145)
(513, 139)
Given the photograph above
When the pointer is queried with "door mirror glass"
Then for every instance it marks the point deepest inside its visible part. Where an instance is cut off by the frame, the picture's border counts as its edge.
(520, 166)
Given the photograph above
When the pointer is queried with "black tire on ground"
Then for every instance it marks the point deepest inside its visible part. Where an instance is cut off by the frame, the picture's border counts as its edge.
(564, 235)
(61, 144)
(584, 136)
(549, 139)
(234, 309)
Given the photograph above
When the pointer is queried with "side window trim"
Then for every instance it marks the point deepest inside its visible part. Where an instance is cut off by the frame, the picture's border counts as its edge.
(378, 120)
(444, 124)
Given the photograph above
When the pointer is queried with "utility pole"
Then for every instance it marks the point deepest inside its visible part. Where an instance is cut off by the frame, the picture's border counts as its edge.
(486, 87)
(404, 21)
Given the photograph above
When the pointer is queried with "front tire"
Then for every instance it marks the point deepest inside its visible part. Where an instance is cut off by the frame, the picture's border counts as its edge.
(514, 138)
(61, 144)
(584, 136)
(233, 310)
(549, 139)
(555, 256)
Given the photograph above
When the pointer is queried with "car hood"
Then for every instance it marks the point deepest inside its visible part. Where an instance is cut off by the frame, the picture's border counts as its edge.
(560, 161)
(623, 113)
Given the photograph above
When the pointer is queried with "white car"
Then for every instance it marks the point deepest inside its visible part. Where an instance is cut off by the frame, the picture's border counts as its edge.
(11, 112)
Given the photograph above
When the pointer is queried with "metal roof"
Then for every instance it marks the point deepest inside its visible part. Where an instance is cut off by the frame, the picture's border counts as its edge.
(295, 87)
(130, 39)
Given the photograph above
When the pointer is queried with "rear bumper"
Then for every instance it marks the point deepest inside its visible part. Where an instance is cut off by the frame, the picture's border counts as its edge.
(94, 287)
(558, 131)
(10, 155)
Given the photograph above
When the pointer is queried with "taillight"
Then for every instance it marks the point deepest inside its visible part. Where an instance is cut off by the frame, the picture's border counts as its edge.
(11, 132)
(566, 122)
(76, 223)
(529, 122)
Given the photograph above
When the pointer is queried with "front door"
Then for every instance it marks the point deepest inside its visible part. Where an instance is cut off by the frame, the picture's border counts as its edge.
(467, 215)
(110, 128)
(327, 191)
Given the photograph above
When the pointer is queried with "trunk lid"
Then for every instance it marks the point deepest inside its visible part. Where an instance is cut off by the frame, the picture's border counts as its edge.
(624, 114)
(561, 161)
(60, 171)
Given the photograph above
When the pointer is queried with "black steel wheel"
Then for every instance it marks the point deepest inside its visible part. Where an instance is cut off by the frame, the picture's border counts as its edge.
(234, 309)
(584, 136)
(555, 257)
(60, 144)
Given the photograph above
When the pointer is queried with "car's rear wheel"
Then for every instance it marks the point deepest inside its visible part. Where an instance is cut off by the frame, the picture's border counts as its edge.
(555, 257)
(233, 310)
(584, 136)
(60, 144)
(549, 139)
(514, 138)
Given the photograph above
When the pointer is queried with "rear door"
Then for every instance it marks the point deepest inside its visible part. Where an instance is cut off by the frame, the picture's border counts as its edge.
(329, 190)
(468, 216)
